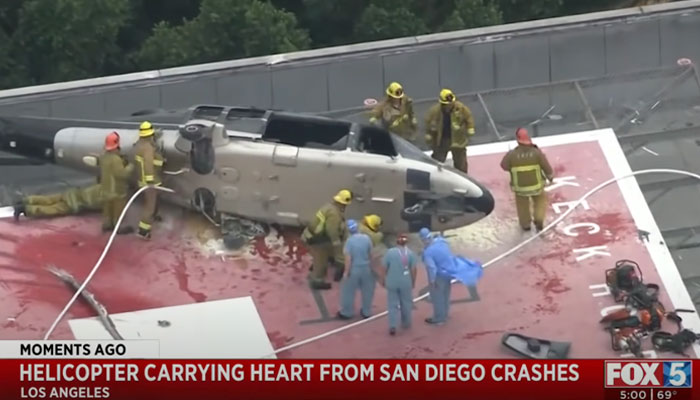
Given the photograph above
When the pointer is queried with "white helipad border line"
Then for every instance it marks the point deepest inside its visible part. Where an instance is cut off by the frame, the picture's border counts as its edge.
(546, 141)
(656, 245)
(7, 212)
(636, 204)
(230, 328)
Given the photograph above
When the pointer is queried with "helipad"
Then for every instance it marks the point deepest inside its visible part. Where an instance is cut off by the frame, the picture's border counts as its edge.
(553, 288)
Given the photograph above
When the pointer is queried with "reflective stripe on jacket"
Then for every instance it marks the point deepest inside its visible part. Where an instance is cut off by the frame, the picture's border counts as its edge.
(532, 174)
(527, 166)
(328, 224)
(149, 162)
(462, 125)
(401, 121)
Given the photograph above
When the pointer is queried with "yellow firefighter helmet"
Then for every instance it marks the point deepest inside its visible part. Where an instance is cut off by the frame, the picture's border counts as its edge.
(373, 221)
(447, 97)
(395, 90)
(343, 197)
(146, 129)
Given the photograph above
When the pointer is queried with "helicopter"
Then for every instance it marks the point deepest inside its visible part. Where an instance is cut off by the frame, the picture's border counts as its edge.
(237, 164)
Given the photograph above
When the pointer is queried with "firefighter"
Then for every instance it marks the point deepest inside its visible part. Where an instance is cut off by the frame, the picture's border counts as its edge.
(114, 180)
(72, 201)
(325, 236)
(149, 163)
(395, 113)
(528, 167)
(370, 226)
(448, 126)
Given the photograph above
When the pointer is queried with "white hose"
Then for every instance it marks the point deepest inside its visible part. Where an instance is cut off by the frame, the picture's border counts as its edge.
(99, 261)
(498, 258)
(178, 172)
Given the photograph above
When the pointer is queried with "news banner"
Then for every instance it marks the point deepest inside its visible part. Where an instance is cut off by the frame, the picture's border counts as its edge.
(132, 369)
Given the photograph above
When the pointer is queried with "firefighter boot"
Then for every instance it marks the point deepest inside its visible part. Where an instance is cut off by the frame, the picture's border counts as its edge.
(144, 234)
(320, 285)
(19, 209)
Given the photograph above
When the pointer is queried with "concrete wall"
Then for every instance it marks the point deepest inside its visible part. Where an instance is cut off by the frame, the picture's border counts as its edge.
(331, 79)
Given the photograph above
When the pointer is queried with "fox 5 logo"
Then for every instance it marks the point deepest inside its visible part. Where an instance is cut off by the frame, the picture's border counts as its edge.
(650, 374)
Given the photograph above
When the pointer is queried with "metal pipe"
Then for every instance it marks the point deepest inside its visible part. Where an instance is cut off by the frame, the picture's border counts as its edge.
(488, 115)
(657, 96)
(584, 100)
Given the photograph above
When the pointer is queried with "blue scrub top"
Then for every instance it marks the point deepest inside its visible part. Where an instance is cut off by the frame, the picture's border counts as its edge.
(438, 258)
(399, 262)
(359, 248)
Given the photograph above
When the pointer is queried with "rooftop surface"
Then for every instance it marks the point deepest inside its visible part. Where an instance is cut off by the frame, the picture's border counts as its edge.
(656, 116)
(608, 70)
(655, 113)
(551, 289)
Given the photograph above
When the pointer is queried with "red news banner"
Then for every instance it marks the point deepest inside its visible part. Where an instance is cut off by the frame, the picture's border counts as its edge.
(346, 379)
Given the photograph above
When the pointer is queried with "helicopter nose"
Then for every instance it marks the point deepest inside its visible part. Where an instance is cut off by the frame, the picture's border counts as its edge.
(483, 204)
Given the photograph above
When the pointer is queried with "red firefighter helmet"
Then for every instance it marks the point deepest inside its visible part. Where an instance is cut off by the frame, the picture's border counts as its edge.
(112, 141)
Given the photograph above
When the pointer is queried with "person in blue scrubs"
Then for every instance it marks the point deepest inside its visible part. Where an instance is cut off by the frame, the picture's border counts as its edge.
(358, 273)
(438, 259)
(399, 278)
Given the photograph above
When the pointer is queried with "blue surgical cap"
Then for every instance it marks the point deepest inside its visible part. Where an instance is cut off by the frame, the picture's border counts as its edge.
(424, 233)
(352, 226)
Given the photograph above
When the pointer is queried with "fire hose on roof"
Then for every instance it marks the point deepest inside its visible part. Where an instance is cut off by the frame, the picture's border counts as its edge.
(384, 313)
(498, 258)
(102, 257)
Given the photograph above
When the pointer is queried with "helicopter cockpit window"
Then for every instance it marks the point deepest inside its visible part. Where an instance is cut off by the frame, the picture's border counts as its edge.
(210, 113)
(375, 140)
(307, 132)
(245, 120)
(410, 151)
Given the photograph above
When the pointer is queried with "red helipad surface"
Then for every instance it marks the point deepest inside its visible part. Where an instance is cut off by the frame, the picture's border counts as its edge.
(547, 289)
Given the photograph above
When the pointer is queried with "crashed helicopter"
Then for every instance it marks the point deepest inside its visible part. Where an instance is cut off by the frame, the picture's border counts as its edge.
(242, 163)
